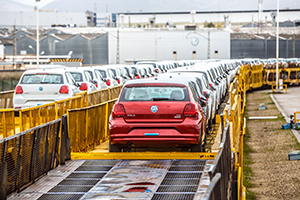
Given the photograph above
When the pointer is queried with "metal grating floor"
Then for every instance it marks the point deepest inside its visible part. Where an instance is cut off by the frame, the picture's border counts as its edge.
(173, 197)
(61, 197)
(130, 179)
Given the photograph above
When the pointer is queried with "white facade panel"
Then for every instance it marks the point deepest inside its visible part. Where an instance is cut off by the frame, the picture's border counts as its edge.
(161, 45)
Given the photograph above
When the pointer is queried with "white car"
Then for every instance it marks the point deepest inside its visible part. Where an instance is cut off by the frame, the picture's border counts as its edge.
(82, 76)
(42, 86)
(98, 79)
(157, 68)
(119, 73)
(107, 75)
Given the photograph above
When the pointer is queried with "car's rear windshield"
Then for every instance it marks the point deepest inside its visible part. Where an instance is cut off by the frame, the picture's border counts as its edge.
(103, 73)
(42, 79)
(155, 93)
(77, 76)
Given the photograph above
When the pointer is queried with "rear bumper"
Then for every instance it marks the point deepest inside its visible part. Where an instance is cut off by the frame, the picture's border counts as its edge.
(152, 135)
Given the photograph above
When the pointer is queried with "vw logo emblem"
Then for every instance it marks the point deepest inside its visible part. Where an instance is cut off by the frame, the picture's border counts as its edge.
(40, 88)
(154, 109)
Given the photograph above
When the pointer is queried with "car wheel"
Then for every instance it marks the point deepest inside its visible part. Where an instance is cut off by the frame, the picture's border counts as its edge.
(197, 147)
(114, 148)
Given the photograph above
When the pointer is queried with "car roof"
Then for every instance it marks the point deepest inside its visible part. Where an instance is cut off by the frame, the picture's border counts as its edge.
(44, 70)
(156, 80)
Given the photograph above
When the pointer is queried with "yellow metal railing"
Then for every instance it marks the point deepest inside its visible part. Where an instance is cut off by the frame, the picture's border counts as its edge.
(6, 99)
(34, 116)
(297, 117)
(7, 123)
(89, 126)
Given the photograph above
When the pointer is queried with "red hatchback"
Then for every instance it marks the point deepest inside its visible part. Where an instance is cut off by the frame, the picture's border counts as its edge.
(152, 113)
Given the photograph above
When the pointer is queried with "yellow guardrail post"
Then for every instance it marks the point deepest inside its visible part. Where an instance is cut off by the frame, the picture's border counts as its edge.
(4, 125)
(106, 120)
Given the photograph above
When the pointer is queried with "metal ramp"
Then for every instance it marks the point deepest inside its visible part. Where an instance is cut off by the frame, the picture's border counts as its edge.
(128, 179)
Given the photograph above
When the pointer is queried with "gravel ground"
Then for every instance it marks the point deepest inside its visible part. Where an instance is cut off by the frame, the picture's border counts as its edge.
(273, 175)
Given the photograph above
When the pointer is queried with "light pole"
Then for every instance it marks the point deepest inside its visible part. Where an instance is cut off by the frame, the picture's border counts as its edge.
(277, 44)
(37, 34)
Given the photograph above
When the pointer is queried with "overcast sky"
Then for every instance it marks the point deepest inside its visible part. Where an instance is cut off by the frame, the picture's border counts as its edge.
(144, 5)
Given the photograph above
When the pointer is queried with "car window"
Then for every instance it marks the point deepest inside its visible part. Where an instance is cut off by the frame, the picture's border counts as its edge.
(98, 75)
(77, 76)
(113, 71)
(103, 73)
(194, 92)
(205, 81)
(127, 71)
(87, 76)
(154, 93)
(91, 74)
(42, 78)
(70, 79)
(200, 86)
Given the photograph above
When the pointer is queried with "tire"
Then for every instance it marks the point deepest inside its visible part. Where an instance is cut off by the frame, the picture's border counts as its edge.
(114, 148)
(198, 147)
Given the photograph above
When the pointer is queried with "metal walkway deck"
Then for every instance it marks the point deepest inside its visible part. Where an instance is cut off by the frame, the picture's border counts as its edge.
(124, 179)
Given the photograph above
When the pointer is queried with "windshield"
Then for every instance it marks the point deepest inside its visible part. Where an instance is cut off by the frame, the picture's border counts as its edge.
(77, 76)
(103, 73)
(42, 78)
(113, 71)
(91, 74)
(155, 93)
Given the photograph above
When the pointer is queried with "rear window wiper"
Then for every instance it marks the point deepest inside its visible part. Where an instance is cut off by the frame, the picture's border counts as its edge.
(44, 82)
(161, 99)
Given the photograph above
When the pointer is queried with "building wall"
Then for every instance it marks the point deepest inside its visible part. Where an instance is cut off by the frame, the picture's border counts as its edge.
(263, 49)
(160, 45)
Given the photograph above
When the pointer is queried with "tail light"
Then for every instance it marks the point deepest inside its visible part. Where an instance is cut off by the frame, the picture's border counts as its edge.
(64, 89)
(157, 70)
(96, 84)
(130, 78)
(19, 90)
(138, 76)
(210, 86)
(118, 111)
(83, 86)
(205, 93)
(108, 82)
(118, 81)
(190, 111)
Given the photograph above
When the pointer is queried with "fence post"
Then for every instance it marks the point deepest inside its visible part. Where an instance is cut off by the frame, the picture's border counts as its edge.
(46, 151)
(33, 156)
(21, 120)
(4, 126)
(106, 119)
(3, 174)
(18, 167)
(63, 142)
(55, 159)
(56, 111)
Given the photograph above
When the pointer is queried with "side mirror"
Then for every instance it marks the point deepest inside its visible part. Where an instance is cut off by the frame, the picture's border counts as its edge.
(213, 88)
(206, 95)
(78, 85)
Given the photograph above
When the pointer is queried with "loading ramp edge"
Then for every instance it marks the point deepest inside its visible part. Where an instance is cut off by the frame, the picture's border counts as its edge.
(144, 156)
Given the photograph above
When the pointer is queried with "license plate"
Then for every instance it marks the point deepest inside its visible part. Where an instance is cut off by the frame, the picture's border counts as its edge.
(151, 134)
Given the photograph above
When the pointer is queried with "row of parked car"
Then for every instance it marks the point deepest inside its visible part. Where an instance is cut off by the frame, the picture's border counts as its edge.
(173, 109)
(55, 82)
(169, 103)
